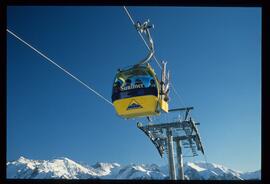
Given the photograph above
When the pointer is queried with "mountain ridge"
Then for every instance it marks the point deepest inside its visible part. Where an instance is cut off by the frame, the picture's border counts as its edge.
(65, 168)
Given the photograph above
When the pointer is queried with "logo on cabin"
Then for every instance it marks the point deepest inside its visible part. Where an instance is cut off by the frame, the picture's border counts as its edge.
(134, 105)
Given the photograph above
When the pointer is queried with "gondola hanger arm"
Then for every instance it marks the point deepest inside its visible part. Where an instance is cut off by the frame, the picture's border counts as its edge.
(144, 29)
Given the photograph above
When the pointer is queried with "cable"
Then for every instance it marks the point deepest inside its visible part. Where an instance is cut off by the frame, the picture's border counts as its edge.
(207, 165)
(58, 66)
(129, 15)
(177, 94)
(157, 62)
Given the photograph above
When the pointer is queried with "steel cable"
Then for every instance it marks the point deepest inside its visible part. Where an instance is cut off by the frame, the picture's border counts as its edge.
(51, 61)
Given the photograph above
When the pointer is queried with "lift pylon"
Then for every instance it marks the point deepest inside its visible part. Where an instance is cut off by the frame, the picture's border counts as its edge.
(178, 132)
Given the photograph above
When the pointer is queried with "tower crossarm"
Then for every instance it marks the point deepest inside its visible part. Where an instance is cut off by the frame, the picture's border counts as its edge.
(157, 141)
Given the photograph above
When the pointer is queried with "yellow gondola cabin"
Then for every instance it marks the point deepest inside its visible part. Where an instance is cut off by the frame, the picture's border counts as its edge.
(136, 93)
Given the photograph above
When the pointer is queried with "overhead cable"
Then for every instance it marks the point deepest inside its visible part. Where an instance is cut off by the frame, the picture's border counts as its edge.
(51, 61)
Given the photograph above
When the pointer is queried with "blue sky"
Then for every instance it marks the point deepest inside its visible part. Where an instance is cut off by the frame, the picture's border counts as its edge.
(214, 55)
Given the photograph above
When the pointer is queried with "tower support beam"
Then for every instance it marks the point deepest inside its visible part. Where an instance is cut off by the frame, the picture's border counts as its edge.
(179, 159)
(170, 154)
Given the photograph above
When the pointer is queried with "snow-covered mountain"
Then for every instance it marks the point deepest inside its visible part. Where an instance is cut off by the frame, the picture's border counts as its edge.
(64, 168)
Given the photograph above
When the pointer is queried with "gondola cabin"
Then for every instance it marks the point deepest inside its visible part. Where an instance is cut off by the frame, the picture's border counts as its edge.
(136, 93)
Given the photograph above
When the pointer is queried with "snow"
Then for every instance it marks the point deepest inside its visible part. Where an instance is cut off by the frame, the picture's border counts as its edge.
(196, 167)
(56, 168)
(66, 168)
(251, 175)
